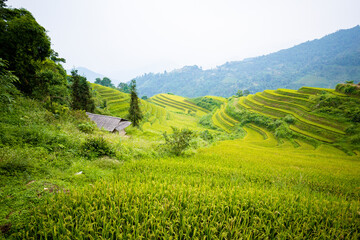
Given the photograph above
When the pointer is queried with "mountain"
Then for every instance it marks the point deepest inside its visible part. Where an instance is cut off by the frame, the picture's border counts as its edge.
(90, 75)
(322, 62)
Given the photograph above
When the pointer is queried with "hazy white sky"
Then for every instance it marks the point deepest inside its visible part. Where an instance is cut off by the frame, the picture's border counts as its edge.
(123, 39)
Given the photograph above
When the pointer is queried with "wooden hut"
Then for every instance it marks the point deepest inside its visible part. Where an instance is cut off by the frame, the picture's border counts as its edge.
(109, 123)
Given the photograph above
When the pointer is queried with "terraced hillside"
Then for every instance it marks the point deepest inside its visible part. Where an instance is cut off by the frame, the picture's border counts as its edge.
(222, 120)
(158, 116)
(177, 104)
(297, 105)
(117, 102)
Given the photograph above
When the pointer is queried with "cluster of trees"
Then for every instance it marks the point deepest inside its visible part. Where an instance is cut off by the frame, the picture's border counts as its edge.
(104, 82)
(122, 87)
(241, 93)
(28, 63)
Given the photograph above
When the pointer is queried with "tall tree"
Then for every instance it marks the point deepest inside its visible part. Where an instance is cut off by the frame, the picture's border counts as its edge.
(81, 94)
(24, 44)
(135, 114)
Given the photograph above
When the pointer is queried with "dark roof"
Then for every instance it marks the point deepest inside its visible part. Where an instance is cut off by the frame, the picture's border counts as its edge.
(109, 123)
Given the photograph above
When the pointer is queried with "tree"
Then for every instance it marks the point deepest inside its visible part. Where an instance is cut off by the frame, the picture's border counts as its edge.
(179, 140)
(107, 82)
(98, 81)
(135, 115)
(239, 93)
(81, 95)
(2, 3)
(53, 85)
(123, 87)
(104, 82)
(24, 45)
(7, 88)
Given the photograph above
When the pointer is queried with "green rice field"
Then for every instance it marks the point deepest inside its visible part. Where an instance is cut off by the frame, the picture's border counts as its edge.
(247, 188)
(245, 181)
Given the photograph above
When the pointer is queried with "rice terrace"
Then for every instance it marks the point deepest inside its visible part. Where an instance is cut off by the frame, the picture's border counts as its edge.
(264, 148)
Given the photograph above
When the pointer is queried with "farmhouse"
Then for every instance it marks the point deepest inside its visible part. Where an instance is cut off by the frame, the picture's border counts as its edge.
(109, 123)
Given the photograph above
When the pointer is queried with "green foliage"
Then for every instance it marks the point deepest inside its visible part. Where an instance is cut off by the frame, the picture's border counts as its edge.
(178, 141)
(355, 139)
(135, 114)
(206, 135)
(348, 88)
(24, 44)
(97, 147)
(52, 83)
(104, 82)
(289, 119)
(7, 89)
(206, 102)
(342, 108)
(123, 87)
(283, 131)
(207, 122)
(87, 127)
(241, 93)
(81, 97)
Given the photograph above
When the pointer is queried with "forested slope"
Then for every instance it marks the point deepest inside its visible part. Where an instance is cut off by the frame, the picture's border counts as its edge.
(322, 62)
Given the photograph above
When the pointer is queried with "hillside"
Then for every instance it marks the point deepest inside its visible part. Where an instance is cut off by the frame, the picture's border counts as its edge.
(322, 62)
(160, 114)
(317, 116)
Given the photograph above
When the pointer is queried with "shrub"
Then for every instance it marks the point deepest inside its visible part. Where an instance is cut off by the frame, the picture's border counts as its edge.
(178, 141)
(355, 139)
(289, 119)
(283, 131)
(87, 127)
(355, 116)
(96, 147)
(206, 135)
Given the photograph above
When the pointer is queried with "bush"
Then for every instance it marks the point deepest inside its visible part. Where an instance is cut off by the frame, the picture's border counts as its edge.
(206, 135)
(289, 119)
(97, 147)
(178, 141)
(355, 116)
(355, 139)
(87, 127)
(283, 131)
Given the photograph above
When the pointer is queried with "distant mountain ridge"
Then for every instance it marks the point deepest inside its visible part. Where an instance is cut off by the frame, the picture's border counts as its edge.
(323, 62)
